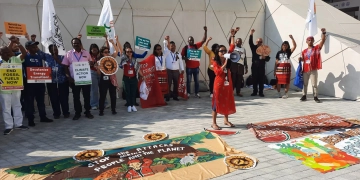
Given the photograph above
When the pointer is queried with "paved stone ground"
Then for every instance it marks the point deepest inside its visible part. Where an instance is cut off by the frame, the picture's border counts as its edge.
(65, 137)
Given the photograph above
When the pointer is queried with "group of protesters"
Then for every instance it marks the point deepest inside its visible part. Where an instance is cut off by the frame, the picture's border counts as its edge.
(225, 75)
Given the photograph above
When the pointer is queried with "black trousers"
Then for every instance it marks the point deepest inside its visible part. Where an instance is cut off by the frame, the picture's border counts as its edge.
(237, 73)
(212, 76)
(173, 77)
(104, 86)
(35, 91)
(258, 73)
(130, 85)
(59, 97)
(76, 96)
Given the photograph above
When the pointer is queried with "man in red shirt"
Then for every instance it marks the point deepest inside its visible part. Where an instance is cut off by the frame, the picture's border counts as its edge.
(192, 67)
(312, 62)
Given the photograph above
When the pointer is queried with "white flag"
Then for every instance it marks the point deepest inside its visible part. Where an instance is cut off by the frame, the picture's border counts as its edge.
(107, 20)
(311, 22)
(50, 30)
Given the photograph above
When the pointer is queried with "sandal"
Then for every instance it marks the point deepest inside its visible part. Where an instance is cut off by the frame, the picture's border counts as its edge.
(229, 124)
(216, 127)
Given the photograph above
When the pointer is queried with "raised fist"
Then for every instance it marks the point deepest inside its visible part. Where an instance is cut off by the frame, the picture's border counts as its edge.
(252, 31)
(237, 29)
(205, 28)
(291, 37)
(167, 38)
(323, 30)
(209, 39)
(232, 31)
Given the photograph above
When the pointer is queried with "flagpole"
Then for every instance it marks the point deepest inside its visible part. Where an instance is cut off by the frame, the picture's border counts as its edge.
(303, 37)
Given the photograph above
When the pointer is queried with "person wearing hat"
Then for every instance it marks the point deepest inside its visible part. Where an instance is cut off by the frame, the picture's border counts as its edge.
(34, 58)
(10, 99)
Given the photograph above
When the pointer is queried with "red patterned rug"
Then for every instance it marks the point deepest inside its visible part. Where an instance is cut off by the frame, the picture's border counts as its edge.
(290, 128)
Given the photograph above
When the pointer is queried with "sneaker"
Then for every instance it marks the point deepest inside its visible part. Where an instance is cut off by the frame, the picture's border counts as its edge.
(211, 95)
(133, 108)
(94, 108)
(46, 120)
(279, 95)
(285, 96)
(303, 98)
(261, 95)
(76, 117)
(114, 112)
(197, 95)
(107, 106)
(176, 99)
(317, 100)
(240, 95)
(101, 113)
(7, 131)
(22, 127)
(67, 115)
(253, 94)
(189, 95)
(89, 115)
(129, 109)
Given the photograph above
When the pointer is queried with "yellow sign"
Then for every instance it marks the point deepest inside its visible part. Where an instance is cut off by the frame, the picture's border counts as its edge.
(11, 77)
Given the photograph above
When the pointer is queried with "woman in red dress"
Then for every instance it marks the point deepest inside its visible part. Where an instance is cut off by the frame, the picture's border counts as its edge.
(223, 99)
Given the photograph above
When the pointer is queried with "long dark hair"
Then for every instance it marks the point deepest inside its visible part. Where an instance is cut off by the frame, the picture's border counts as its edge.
(128, 47)
(218, 59)
(102, 50)
(214, 46)
(93, 46)
(154, 51)
(286, 42)
(126, 44)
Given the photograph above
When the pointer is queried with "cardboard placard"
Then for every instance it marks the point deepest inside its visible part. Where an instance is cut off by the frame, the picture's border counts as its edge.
(193, 54)
(11, 77)
(82, 74)
(15, 29)
(142, 43)
(95, 32)
(38, 75)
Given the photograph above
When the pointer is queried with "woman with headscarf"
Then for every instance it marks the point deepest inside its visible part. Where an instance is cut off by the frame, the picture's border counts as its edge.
(282, 70)
(223, 99)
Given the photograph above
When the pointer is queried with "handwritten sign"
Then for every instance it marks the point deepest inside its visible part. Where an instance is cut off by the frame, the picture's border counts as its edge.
(11, 77)
(82, 75)
(38, 74)
(193, 54)
(15, 29)
(95, 32)
(142, 43)
(148, 72)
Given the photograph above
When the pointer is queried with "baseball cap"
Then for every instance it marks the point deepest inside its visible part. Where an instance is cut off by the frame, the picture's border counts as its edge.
(29, 43)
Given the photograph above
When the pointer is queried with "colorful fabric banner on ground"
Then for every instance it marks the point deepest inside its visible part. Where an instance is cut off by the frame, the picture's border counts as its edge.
(155, 97)
(284, 129)
(197, 156)
(324, 152)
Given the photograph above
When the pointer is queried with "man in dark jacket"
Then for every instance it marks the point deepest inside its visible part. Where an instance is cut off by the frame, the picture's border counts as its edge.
(258, 66)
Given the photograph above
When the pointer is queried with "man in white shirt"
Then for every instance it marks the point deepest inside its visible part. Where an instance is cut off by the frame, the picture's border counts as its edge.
(174, 65)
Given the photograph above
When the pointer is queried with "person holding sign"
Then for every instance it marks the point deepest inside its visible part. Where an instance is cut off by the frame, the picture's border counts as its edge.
(237, 68)
(192, 66)
(58, 90)
(106, 68)
(173, 64)
(312, 63)
(73, 56)
(10, 99)
(258, 65)
(223, 100)
(35, 90)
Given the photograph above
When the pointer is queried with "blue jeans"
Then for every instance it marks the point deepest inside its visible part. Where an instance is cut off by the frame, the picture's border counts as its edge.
(94, 94)
(192, 72)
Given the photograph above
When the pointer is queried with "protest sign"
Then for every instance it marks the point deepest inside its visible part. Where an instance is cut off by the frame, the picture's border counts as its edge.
(194, 55)
(38, 74)
(95, 32)
(82, 75)
(142, 43)
(15, 29)
(11, 77)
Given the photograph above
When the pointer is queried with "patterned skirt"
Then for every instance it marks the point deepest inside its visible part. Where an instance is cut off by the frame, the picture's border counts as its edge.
(283, 73)
(163, 81)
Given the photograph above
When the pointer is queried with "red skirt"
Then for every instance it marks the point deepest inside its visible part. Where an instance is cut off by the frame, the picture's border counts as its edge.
(283, 73)
(163, 81)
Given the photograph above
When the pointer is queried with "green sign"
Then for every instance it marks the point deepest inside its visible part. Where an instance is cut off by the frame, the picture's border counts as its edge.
(142, 43)
(95, 32)
(193, 54)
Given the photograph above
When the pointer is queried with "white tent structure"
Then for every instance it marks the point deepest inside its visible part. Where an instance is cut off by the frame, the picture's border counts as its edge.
(273, 21)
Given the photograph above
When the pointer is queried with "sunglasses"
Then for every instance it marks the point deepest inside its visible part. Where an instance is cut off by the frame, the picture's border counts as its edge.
(223, 51)
(129, 52)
